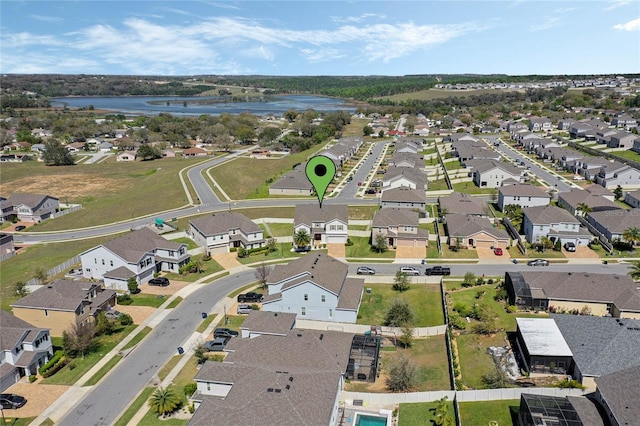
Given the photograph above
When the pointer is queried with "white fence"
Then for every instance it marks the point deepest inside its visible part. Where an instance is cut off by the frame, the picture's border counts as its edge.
(72, 208)
(56, 270)
(361, 328)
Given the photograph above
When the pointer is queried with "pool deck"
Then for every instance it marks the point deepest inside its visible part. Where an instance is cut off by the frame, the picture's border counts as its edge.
(349, 417)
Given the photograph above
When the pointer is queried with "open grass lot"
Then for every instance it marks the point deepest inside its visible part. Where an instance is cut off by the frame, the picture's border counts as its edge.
(32, 258)
(452, 165)
(550, 254)
(361, 248)
(419, 414)
(437, 94)
(104, 343)
(482, 412)
(208, 267)
(361, 212)
(471, 188)
(474, 360)
(135, 188)
(423, 298)
(247, 177)
(280, 229)
(153, 300)
(437, 185)
(283, 252)
(629, 155)
(447, 253)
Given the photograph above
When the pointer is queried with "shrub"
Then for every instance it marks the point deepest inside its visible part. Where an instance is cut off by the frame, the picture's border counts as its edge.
(53, 361)
(456, 321)
(490, 281)
(463, 309)
(349, 242)
(512, 309)
(479, 281)
(124, 299)
(206, 257)
(125, 319)
(569, 384)
(57, 367)
(190, 389)
(255, 307)
(32, 378)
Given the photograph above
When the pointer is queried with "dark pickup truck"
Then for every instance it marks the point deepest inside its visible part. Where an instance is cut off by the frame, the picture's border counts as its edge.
(250, 297)
(437, 270)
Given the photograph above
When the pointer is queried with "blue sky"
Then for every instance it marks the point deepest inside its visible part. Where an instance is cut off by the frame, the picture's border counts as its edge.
(319, 37)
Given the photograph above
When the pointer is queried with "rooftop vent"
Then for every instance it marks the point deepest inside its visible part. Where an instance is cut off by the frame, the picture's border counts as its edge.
(275, 314)
(291, 378)
(288, 387)
(270, 390)
(278, 390)
(299, 334)
(321, 336)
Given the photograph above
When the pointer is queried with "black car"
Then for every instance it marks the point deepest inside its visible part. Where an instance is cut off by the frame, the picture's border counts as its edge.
(224, 332)
(12, 401)
(160, 281)
(251, 297)
(20, 228)
(538, 262)
(364, 270)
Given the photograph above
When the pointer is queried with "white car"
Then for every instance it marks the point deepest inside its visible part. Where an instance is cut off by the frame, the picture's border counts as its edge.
(410, 270)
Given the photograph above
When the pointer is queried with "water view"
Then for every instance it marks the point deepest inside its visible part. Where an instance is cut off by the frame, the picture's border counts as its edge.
(196, 105)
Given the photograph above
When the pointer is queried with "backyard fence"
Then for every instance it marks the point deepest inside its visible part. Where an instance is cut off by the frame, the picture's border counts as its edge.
(70, 209)
(56, 270)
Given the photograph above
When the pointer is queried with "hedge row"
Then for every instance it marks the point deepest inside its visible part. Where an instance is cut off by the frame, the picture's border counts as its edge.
(53, 365)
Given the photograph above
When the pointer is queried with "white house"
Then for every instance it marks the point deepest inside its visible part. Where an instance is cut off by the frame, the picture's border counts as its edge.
(554, 223)
(491, 174)
(28, 207)
(523, 195)
(324, 225)
(615, 173)
(397, 177)
(221, 231)
(137, 254)
(315, 287)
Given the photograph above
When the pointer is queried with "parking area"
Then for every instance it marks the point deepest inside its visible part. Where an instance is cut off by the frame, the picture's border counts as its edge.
(227, 260)
(336, 250)
(39, 397)
(582, 252)
(411, 252)
(487, 253)
(138, 313)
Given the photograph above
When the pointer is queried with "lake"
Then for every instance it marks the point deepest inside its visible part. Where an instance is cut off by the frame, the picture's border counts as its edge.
(197, 105)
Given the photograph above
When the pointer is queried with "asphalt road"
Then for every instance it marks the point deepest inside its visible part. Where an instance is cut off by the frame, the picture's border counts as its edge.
(106, 401)
(348, 193)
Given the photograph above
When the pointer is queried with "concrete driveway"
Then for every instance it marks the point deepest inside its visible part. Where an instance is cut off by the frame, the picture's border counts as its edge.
(39, 397)
(172, 288)
(138, 313)
(582, 252)
(227, 260)
(411, 252)
(487, 253)
(336, 250)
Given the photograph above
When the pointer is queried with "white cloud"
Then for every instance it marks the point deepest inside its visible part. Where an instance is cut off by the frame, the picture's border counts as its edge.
(46, 18)
(357, 19)
(259, 52)
(614, 4)
(565, 9)
(633, 25)
(321, 55)
(546, 24)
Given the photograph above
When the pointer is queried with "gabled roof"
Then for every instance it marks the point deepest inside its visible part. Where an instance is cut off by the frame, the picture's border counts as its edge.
(61, 295)
(404, 195)
(30, 200)
(269, 322)
(548, 215)
(15, 330)
(482, 166)
(524, 190)
(595, 201)
(308, 213)
(295, 179)
(222, 222)
(617, 221)
(463, 203)
(621, 393)
(390, 216)
(462, 225)
(133, 246)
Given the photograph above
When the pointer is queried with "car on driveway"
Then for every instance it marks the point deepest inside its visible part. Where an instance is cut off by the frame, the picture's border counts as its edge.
(224, 332)
(20, 228)
(569, 246)
(538, 262)
(11, 401)
(113, 314)
(497, 251)
(160, 281)
(216, 345)
(364, 270)
(243, 309)
(251, 297)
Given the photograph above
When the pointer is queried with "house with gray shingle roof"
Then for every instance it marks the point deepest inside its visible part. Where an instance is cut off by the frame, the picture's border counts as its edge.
(554, 223)
(324, 225)
(633, 198)
(591, 196)
(539, 124)
(623, 140)
(271, 323)
(294, 182)
(28, 207)
(404, 159)
(400, 227)
(618, 393)
(316, 287)
(613, 223)
(62, 303)
(138, 254)
(491, 173)
(23, 347)
(405, 198)
(464, 204)
(465, 231)
(397, 177)
(589, 167)
(221, 231)
(523, 195)
(615, 173)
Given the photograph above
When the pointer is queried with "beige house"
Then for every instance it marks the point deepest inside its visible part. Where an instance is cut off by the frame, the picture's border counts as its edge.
(62, 303)
(466, 231)
(399, 227)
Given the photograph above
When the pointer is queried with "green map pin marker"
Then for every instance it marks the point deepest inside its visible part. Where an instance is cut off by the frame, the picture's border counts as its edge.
(320, 171)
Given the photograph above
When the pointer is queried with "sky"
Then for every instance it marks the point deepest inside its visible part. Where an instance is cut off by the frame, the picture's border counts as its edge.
(336, 37)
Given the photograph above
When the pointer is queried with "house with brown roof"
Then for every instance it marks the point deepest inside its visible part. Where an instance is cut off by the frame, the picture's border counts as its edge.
(466, 231)
(28, 207)
(405, 198)
(613, 223)
(271, 379)
(316, 287)
(138, 254)
(554, 223)
(523, 195)
(126, 156)
(294, 182)
(194, 152)
(400, 227)
(221, 231)
(599, 294)
(595, 196)
(325, 225)
(62, 303)
(464, 204)
(23, 349)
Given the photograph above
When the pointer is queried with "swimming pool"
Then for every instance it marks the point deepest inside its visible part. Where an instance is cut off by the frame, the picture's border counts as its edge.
(362, 419)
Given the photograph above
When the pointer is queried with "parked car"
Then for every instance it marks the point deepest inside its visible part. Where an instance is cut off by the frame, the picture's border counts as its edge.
(370, 191)
(20, 228)
(538, 262)
(243, 309)
(410, 270)
(251, 297)
(569, 246)
(497, 251)
(160, 281)
(224, 332)
(113, 314)
(216, 345)
(364, 270)
(12, 401)
(438, 270)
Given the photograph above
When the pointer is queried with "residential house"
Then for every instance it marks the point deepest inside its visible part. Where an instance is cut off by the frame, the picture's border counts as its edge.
(60, 304)
(615, 173)
(77, 147)
(541, 346)
(465, 231)
(464, 204)
(468, 153)
(613, 223)
(324, 225)
(6, 244)
(105, 146)
(14, 158)
(523, 195)
(398, 177)
(28, 207)
(565, 124)
(260, 323)
(221, 231)
(126, 156)
(538, 409)
(589, 167)
(194, 152)
(544, 146)
(491, 174)
(583, 130)
(454, 137)
(405, 146)
(624, 120)
(343, 150)
(603, 135)
(400, 227)
(515, 127)
(138, 254)
(594, 199)
(617, 393)
(598, 294)
(294, 182)
(539, 124)
(272, 379)
(23, 349)
(632, 198)
(315, 287)
(404, 198)
(554, 223)
(168, 153)
(623, 140)
(407, 160)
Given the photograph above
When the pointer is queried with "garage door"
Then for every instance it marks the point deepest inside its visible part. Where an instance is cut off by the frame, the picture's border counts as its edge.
(217, 250)
(335, 239)
(484, 244)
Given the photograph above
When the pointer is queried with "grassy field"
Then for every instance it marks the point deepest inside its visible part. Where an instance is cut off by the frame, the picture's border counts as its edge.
(447, 253)
(280, 229)
(514, 252)
(474, 360)
(135, 188)
(32, 258)
(362, 212)
(283, 252)
(430, 94)
(471, 188)
(188, 241)
(142, 299)
(482, 412)
(423, 298)
(429, 354)
(419, 414)
(437, 185)
(208, 267)
(361, 248)
(629, 155)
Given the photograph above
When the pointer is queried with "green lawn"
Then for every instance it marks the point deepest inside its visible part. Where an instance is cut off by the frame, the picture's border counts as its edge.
(68, 375)
(420, 414)
(283, 252)
(205, 323)
(629, 155)
(135, 407)
(359, 227)
(143, 299)
(281, 229)
(188, 241)
(447, 253)
(103, 371)
(482, 412)
(166, 369)
(437, 185)
(362, 212)
(361, 248)
(137, 338)
(471, 188)
(134, 187)
(32, 258)
(19, 421)
(452, 165)
(208, 267)
(423, 298)
(532, 253)
(175, 302)
(473, 357)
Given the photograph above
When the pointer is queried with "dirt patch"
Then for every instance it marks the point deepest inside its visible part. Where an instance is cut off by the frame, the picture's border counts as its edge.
(172, 288)
(39, 397)
(410, 252)
(487, 253)
(61, 185)
(582, 252)
(227, 260)
(138, 313)
(336, 250)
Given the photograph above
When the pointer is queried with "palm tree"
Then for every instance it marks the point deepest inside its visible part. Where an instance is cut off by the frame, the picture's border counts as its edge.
(164, 401)
(443, 418)
(584, 209)
(635, 270)
(632, 235)
(302, 238)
